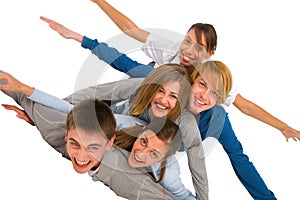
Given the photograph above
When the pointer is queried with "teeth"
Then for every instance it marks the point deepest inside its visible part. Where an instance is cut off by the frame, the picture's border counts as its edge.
(137, 159)
(200, 102)
(187, 58)
(161, 107)
(81, 163)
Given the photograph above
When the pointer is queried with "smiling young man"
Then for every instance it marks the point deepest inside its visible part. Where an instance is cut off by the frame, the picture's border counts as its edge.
(85, 136)
(90, 133)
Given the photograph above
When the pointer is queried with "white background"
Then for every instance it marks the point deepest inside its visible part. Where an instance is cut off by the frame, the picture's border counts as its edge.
(258, 40)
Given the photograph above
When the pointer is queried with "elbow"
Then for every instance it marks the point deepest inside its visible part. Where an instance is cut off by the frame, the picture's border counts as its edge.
(128, 27)
(243, 108)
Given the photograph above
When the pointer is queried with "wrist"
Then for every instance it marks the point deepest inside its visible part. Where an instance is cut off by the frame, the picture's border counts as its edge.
(27, 90)
(284, 127)
(77, 37)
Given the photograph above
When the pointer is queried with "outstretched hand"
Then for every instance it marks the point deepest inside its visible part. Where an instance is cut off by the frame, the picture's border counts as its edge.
(62, 30)
(14, 85)
(20, 113)
(289, 132)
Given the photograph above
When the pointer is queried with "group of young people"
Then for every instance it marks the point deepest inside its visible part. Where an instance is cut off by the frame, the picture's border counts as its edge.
(126, 133)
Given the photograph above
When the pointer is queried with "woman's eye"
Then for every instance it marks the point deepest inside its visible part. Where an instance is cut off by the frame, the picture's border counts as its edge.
(154, 154)
(187, 41)
(161, 90)
(174, 96)
(199, 47)
(143, 141)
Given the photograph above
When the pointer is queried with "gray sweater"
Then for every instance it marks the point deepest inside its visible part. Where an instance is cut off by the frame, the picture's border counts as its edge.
(126, 90)
(128, 182)
(114, 171)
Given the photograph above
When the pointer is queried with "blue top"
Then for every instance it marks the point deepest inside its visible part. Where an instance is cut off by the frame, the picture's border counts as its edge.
(117, 60)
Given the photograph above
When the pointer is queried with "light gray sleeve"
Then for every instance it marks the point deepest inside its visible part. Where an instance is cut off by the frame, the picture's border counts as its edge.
(50, 101)
(171, 180)
(50, 122)
(125, 121)
(193, 146)
(115, 91)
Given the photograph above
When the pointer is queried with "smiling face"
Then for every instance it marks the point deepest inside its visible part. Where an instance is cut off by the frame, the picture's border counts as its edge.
(202, 97)
(86, 149)
(165, 99)
(147, 150)
(192, 52)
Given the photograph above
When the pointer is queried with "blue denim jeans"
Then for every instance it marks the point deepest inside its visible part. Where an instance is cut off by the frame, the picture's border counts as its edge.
(210, 123)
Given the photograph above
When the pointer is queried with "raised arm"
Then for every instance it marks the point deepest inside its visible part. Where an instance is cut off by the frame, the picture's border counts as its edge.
(123, 22)
(14, 85)
(253, 110)
(110, 55)
(112, 91)
(62, 30)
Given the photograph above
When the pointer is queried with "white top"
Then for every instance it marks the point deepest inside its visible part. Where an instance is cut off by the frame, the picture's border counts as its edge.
(163, 51)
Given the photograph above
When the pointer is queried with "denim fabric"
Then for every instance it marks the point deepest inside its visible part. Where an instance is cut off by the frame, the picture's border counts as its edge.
(210, 122)
(117, 60)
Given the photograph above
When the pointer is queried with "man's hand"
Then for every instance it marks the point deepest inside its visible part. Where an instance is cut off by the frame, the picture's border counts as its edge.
(20, 113)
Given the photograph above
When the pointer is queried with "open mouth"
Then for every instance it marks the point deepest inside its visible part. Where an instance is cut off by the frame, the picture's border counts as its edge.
(137, 159)
(187, 58)
(81, 163)
(161, 107)
(198, 102)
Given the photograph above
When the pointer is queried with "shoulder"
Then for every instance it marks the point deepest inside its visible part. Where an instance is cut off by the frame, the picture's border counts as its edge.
(132, 81)
(165, 37)
(163, 42)
(186, 117)
(126, 86)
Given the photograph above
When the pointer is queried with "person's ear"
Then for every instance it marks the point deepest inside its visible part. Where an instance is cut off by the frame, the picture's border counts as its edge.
(209, 54)
(167, 157)
(110, 143)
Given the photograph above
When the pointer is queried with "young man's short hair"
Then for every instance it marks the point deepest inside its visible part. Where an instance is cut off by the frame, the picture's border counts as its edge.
(92, 116)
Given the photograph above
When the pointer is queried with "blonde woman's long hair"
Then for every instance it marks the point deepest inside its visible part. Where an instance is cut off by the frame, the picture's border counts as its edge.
(218, 76)
(153, 83)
